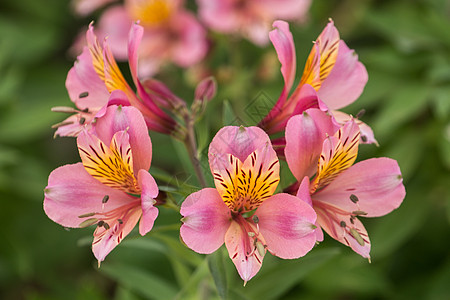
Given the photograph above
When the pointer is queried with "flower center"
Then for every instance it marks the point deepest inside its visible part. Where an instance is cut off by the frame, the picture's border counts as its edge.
(151, 12)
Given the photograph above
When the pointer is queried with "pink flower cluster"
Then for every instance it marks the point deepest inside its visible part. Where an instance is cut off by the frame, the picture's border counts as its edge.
(112, 188)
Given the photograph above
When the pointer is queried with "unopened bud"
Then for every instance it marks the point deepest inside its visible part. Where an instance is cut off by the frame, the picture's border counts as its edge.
(206, 89)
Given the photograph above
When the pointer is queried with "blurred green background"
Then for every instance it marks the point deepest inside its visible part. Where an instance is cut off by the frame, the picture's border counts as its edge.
(405, 46)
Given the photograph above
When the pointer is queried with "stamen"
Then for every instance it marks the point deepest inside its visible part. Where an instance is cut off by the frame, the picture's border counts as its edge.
(105, 199)
(354, 198)
(88, 222)
(364, 138)
(360, 113)
(87, 215)
(357, 237)
(260, 247)
(83, 95)
(82, 120)
(343, 224)
(120, 221)
(359, 213)
(255, 219)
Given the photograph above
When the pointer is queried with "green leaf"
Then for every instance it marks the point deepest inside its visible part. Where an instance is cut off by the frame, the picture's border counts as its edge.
(276, 281)
(141, 281)
(217, 269)
(228, 116)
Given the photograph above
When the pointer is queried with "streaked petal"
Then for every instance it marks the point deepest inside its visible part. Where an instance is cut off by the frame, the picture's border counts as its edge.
(287, 225)
(71, 192)
(377, 184)
(338, 154)
(150, 191)
(111, 165)
(106, 239)
(130, 119)
(322, 58)
(244, 186)
(206, 220)
(344, 228)
(346, 80)
(304, 139)
(367, 136)
(86, 89)
(245, 256)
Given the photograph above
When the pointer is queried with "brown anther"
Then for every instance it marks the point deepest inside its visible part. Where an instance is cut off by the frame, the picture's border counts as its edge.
(105, 199)
(100, 223)
(82, 120)
(354, 198)
(255, 219)
(106, 225)
(364, 138)
(83, 95)
(120, 221)
(342, 223)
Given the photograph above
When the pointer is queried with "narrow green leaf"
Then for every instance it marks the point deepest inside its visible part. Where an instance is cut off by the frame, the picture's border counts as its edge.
(141, 281)
(217, 269)
(228, 116)
(276, 281)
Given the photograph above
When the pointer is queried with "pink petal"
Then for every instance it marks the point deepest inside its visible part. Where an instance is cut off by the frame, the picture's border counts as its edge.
(149, 192)
(237, 241)
(238, 141)
(346, 81)
(340, 228)
(72, 192)
(84, 86)
(115, 24)
(304, 139)
(105, 240)
(367, 136)
(218, 14)
(85, 7)
(283, 42)
(286, 223)
(377, 184)
(134, 39)
(303, 194)
(130, 119)
(191, 45)
(206, 220)
(286, 9)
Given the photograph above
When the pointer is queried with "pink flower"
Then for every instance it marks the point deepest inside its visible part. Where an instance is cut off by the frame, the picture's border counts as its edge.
(333, 77)
(95, 81)
(251, 19)
(242, 210)
(172, 33)
(340, 191)
(111, 187)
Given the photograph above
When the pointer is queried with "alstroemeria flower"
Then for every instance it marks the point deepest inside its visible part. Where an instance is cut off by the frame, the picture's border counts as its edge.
(332, 78)
(112, 187)
(242, 210)
(340, 191)
(252, 19)
(96, 81)
(172, 33)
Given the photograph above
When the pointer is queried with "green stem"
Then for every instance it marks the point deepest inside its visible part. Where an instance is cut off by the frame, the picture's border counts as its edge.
(191, 146)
